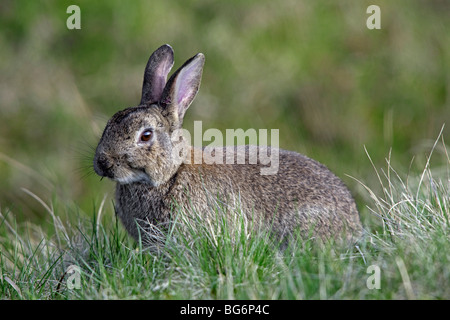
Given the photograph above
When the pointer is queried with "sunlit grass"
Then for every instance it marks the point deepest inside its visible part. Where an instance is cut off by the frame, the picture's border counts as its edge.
(308, 68)
(229, 260)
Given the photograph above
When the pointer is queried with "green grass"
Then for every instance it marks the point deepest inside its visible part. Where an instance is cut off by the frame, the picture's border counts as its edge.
(308, 68)
(407, 239)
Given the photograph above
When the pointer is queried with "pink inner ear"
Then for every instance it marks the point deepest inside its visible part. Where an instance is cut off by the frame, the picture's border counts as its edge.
(155, 76)
(161, 77)
(187, 83)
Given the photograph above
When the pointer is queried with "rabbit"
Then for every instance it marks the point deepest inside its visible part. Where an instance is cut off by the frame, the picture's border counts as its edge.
(137, 151)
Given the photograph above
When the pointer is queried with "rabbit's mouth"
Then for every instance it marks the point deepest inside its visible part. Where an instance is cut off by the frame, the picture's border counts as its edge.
(121, 172)
(132, 176)
(103, 166)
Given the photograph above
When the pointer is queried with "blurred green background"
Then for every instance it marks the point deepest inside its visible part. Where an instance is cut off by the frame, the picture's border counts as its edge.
(311, 69)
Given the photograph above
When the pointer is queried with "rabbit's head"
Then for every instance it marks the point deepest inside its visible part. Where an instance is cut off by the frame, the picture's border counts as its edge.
(139, 144)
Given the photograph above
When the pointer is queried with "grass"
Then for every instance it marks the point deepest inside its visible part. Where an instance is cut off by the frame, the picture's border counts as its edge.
(308, 68)
(410, 246)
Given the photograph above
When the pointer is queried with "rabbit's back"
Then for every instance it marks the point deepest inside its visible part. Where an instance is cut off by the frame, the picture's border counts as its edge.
(140, 150)
(301, 195)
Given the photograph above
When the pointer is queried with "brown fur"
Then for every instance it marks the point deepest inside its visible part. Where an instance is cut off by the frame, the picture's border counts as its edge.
(303, 195)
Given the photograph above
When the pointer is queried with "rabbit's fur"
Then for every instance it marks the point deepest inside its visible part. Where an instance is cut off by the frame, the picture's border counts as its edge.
(152, 178)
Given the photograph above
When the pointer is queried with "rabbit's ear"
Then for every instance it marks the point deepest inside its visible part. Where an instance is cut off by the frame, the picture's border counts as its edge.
(156, 71)
(182, 88)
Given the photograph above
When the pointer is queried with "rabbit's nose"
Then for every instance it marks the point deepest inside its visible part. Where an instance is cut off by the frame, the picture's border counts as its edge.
(102, 166)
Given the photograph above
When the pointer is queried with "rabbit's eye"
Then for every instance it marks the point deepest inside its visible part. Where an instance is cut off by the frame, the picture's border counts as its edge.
(146, 136)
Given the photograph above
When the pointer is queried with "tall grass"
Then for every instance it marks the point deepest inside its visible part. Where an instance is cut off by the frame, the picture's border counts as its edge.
(228, 260)
(309, 68)
(414, 212)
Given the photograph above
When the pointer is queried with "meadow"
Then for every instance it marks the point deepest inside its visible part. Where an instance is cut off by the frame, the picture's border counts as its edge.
(370, 104)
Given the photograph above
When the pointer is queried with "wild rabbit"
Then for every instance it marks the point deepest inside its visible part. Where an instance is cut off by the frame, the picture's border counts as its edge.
(138, 151)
